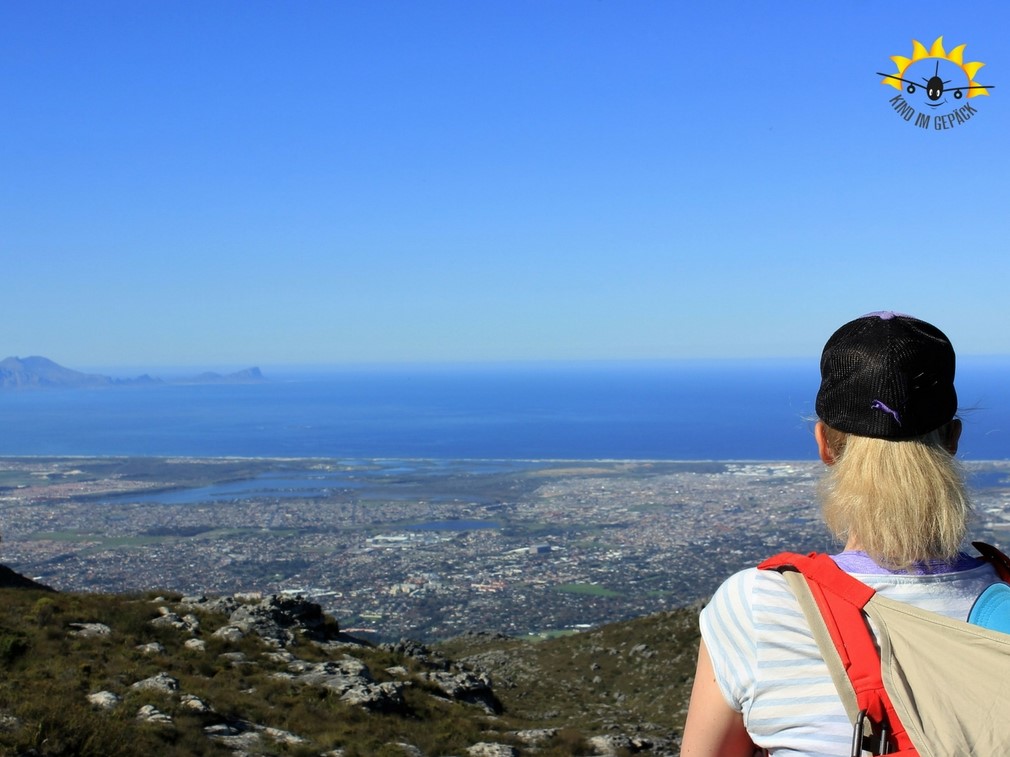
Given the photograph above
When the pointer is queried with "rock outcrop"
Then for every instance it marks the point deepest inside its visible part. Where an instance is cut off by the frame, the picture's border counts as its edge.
(253, 674)
(283, 625)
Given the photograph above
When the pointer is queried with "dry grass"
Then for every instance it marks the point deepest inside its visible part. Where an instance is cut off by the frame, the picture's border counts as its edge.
(578, 685)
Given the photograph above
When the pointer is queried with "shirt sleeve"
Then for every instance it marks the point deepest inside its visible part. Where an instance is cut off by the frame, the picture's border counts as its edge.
(727, 626)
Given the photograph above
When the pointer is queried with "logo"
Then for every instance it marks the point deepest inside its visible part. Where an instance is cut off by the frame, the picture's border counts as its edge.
(935, 87)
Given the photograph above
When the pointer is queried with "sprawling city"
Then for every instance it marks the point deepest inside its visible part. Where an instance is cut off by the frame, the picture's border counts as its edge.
(423, 549)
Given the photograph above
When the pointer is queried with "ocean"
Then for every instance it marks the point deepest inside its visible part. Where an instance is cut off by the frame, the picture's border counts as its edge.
(685, 410)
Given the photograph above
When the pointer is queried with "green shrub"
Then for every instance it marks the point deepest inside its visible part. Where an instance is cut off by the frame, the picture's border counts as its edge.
(44, 612)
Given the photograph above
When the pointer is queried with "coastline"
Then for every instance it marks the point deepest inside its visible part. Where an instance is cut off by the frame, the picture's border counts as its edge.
(419, 547)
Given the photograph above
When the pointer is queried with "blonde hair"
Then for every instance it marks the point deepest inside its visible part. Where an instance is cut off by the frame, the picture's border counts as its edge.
(901, 502)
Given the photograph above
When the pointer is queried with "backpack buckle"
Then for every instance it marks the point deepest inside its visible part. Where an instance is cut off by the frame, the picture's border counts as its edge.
(874, 743)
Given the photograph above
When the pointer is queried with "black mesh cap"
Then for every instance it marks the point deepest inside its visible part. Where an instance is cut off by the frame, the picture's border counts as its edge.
(887, 375)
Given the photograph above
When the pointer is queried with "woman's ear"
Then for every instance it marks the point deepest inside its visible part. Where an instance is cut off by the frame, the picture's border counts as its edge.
(953, 435)
(823, 447)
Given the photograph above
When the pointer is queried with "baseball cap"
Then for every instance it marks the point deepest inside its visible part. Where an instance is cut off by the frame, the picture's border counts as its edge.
(887, 375)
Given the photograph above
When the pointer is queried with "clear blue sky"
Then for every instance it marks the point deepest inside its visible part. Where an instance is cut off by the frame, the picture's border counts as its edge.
(237, 183)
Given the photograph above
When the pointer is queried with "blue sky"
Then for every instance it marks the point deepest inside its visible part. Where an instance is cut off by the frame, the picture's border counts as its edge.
(238, 183)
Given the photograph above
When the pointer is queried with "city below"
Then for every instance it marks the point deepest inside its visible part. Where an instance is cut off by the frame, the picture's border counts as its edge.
(424, 549)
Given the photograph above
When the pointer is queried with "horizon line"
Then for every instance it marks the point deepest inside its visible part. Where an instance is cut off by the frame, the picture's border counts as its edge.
(473, 364)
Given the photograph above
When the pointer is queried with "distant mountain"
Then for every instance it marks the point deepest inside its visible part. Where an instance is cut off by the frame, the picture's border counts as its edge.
(248, 376)
(38, 372)
(42, 373)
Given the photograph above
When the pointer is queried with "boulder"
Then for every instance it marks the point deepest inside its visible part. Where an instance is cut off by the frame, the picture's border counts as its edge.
(151, 714)
(490, 749)
(194, 703)
(352, 681)
(161, 682)
(382, 697)
(90, 630)
(280, 620)
(472, 688)
(170, 619)
(610, 746)
(104, 700)
(229, 633)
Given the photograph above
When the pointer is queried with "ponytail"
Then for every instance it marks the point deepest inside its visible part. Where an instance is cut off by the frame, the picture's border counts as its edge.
(901, 502)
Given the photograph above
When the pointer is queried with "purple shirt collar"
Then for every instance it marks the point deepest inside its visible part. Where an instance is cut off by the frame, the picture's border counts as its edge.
(860, 562)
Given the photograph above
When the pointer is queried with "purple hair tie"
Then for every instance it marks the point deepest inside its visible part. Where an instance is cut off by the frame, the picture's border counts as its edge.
(886, 315)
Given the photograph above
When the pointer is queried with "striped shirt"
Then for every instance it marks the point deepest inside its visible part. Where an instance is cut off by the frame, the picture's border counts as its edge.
(767, 664)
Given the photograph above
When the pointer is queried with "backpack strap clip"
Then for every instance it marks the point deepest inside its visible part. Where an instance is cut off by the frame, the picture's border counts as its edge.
(876, 743)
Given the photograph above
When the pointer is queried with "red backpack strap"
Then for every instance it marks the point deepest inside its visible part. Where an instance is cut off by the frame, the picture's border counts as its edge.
(841, 599)
(998, 560)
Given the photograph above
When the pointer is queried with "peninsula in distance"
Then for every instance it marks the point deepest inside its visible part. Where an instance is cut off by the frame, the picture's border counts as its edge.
(42, 373)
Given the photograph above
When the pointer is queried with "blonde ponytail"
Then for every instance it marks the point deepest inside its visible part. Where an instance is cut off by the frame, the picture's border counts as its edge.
(901, 502)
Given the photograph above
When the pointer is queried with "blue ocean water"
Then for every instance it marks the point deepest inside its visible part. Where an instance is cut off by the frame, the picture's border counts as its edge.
(725, 410)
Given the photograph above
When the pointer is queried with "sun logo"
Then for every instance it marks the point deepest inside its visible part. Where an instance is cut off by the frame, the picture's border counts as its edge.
(917, 73)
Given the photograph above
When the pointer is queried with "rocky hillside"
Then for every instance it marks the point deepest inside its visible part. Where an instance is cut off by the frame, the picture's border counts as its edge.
(90, 674)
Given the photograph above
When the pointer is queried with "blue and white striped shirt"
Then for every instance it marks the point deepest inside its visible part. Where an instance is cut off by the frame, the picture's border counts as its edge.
(767, 664)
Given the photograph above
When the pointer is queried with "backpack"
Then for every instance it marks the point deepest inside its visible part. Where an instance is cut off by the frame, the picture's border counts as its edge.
(937, 687)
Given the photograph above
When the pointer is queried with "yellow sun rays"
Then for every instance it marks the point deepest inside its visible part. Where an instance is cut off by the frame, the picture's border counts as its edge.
(955, 56)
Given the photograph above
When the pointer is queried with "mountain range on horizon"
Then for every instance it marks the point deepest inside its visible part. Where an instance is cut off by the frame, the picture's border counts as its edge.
(42, 373)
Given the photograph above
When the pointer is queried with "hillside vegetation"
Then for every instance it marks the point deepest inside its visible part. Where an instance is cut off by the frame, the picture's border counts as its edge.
(98, 674)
